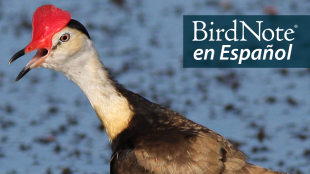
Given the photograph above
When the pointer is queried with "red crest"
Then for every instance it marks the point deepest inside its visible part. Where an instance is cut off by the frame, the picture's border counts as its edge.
(47, 20)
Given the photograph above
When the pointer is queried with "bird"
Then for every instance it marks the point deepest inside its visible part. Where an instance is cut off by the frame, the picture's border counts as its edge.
(145, 137)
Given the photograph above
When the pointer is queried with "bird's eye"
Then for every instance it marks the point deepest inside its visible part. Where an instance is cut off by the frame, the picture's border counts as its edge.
(65, 37)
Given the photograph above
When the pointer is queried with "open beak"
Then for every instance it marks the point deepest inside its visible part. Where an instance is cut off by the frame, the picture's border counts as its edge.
(37, 60)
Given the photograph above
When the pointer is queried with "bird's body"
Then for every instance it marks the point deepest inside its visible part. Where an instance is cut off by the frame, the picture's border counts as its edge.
(145, 137)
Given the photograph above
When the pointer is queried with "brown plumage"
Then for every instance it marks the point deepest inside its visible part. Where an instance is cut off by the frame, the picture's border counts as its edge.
(146, 137)
(159, 140)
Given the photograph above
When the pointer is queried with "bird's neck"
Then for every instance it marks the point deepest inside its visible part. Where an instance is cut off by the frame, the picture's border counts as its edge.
(112, 108)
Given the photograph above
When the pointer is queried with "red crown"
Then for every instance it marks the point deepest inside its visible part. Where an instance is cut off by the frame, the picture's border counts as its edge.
(47, 20)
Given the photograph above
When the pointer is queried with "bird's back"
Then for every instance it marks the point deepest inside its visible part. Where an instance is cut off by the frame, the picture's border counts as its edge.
(159, 140)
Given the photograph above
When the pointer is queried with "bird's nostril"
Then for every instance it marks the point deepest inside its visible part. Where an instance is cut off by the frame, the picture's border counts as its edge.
(29, 48)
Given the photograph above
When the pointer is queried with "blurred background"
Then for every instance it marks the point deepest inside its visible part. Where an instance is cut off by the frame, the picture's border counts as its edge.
(48, 126)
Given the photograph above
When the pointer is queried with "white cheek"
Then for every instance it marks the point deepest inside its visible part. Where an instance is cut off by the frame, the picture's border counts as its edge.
(55, 39)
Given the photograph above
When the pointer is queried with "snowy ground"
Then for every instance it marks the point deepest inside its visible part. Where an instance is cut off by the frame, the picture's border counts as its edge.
(48, 126)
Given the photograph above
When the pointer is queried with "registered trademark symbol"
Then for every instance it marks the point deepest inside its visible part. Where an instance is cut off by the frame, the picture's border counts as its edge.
(296, 26)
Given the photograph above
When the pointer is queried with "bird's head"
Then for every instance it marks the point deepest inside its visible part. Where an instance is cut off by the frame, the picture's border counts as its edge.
(57, 38)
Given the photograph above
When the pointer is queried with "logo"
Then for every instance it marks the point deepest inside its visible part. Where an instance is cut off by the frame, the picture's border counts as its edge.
(246, 41)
